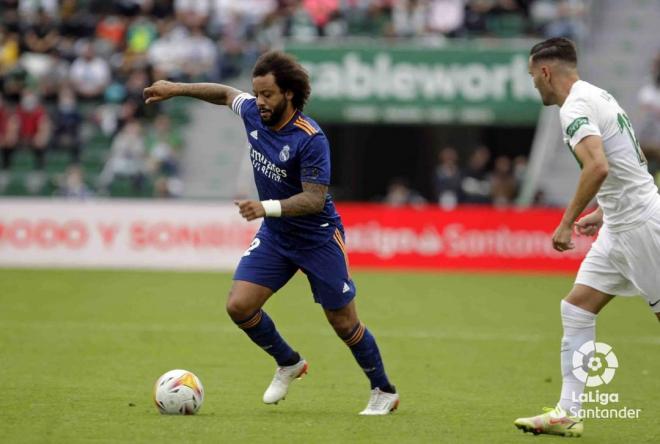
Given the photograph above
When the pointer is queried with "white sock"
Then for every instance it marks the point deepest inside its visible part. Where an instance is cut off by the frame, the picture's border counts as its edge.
(579, 327)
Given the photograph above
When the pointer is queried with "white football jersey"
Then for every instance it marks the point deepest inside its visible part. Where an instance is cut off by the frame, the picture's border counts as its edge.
(629, 195)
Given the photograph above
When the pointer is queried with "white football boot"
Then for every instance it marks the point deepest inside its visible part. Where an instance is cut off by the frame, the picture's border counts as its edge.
(381, 403)
(555, 421)
(284, 376)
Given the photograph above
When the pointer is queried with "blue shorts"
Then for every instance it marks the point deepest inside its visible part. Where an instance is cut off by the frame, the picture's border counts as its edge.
(268, 264)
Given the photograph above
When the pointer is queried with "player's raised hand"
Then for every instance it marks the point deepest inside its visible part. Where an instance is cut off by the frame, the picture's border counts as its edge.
(160, 90)
(589, 224)
(250, 209)
(562, 239)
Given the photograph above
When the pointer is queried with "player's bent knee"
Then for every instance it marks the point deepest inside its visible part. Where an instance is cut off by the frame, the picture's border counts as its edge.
(237, 308)
(344, 319)
(343, 329)
(343, 325)
(588, 298)
(245, 299)
(233, 310)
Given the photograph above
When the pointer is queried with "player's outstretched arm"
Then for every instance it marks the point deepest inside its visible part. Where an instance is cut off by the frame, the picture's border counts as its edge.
(594, 172)
(215, 93)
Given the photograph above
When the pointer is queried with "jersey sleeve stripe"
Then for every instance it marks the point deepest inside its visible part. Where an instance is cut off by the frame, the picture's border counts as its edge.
(237, 104)
(302, 123)
(307, 124)
(304, 128)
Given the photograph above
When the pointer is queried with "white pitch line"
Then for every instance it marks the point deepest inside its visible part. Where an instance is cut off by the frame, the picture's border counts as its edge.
(93, 326)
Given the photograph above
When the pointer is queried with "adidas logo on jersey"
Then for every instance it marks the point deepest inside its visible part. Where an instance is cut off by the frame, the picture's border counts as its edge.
(346, 288)
(255, 135)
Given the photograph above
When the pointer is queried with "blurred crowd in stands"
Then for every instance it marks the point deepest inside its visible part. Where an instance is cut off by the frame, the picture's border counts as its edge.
(73, 71)
(479, 180)
(649, 130)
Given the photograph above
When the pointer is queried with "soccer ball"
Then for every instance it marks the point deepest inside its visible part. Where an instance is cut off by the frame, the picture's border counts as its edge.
(178, 392)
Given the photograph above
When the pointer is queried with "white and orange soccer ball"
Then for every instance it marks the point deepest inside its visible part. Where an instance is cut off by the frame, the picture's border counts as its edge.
(178, 392)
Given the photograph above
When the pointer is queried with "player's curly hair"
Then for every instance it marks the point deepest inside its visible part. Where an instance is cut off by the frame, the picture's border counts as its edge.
(289, 75)
(559, 48)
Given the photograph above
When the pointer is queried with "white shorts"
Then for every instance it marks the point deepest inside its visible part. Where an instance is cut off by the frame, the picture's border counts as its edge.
(626, 263)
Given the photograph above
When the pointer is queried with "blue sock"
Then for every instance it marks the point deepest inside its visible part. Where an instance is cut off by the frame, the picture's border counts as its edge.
(261, 329)
(366, 353)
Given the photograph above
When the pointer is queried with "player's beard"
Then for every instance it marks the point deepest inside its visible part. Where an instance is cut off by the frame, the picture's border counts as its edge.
(275, 114)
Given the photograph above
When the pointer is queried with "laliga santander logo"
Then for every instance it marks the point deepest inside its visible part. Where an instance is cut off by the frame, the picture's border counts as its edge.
(595, 363)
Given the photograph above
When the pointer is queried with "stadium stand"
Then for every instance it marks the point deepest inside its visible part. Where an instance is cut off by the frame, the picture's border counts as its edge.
(72, 73)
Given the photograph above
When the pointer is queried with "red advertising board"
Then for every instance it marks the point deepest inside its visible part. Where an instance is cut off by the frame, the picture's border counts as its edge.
(467, 238)
(189, 235)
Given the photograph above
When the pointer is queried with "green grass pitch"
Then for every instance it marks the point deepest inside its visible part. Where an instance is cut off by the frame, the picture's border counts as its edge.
(80, 351)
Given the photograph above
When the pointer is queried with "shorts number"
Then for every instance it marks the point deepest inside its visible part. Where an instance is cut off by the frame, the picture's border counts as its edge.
(255, 243)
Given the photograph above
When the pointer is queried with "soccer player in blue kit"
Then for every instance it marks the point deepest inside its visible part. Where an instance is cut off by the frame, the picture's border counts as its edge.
(301, 230)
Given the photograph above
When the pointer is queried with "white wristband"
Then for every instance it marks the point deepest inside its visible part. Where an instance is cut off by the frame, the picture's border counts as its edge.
(273, 208)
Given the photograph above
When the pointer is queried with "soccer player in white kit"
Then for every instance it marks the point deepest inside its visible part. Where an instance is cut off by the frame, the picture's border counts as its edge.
(625, 259)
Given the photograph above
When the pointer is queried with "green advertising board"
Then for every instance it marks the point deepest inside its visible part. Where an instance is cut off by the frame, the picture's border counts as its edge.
(457, 83)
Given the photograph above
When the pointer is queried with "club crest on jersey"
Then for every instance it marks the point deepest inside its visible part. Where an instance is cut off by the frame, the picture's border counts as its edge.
(285, 153)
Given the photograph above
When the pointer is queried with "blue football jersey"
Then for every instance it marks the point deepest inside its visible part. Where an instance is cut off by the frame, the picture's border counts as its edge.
(282, 160)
